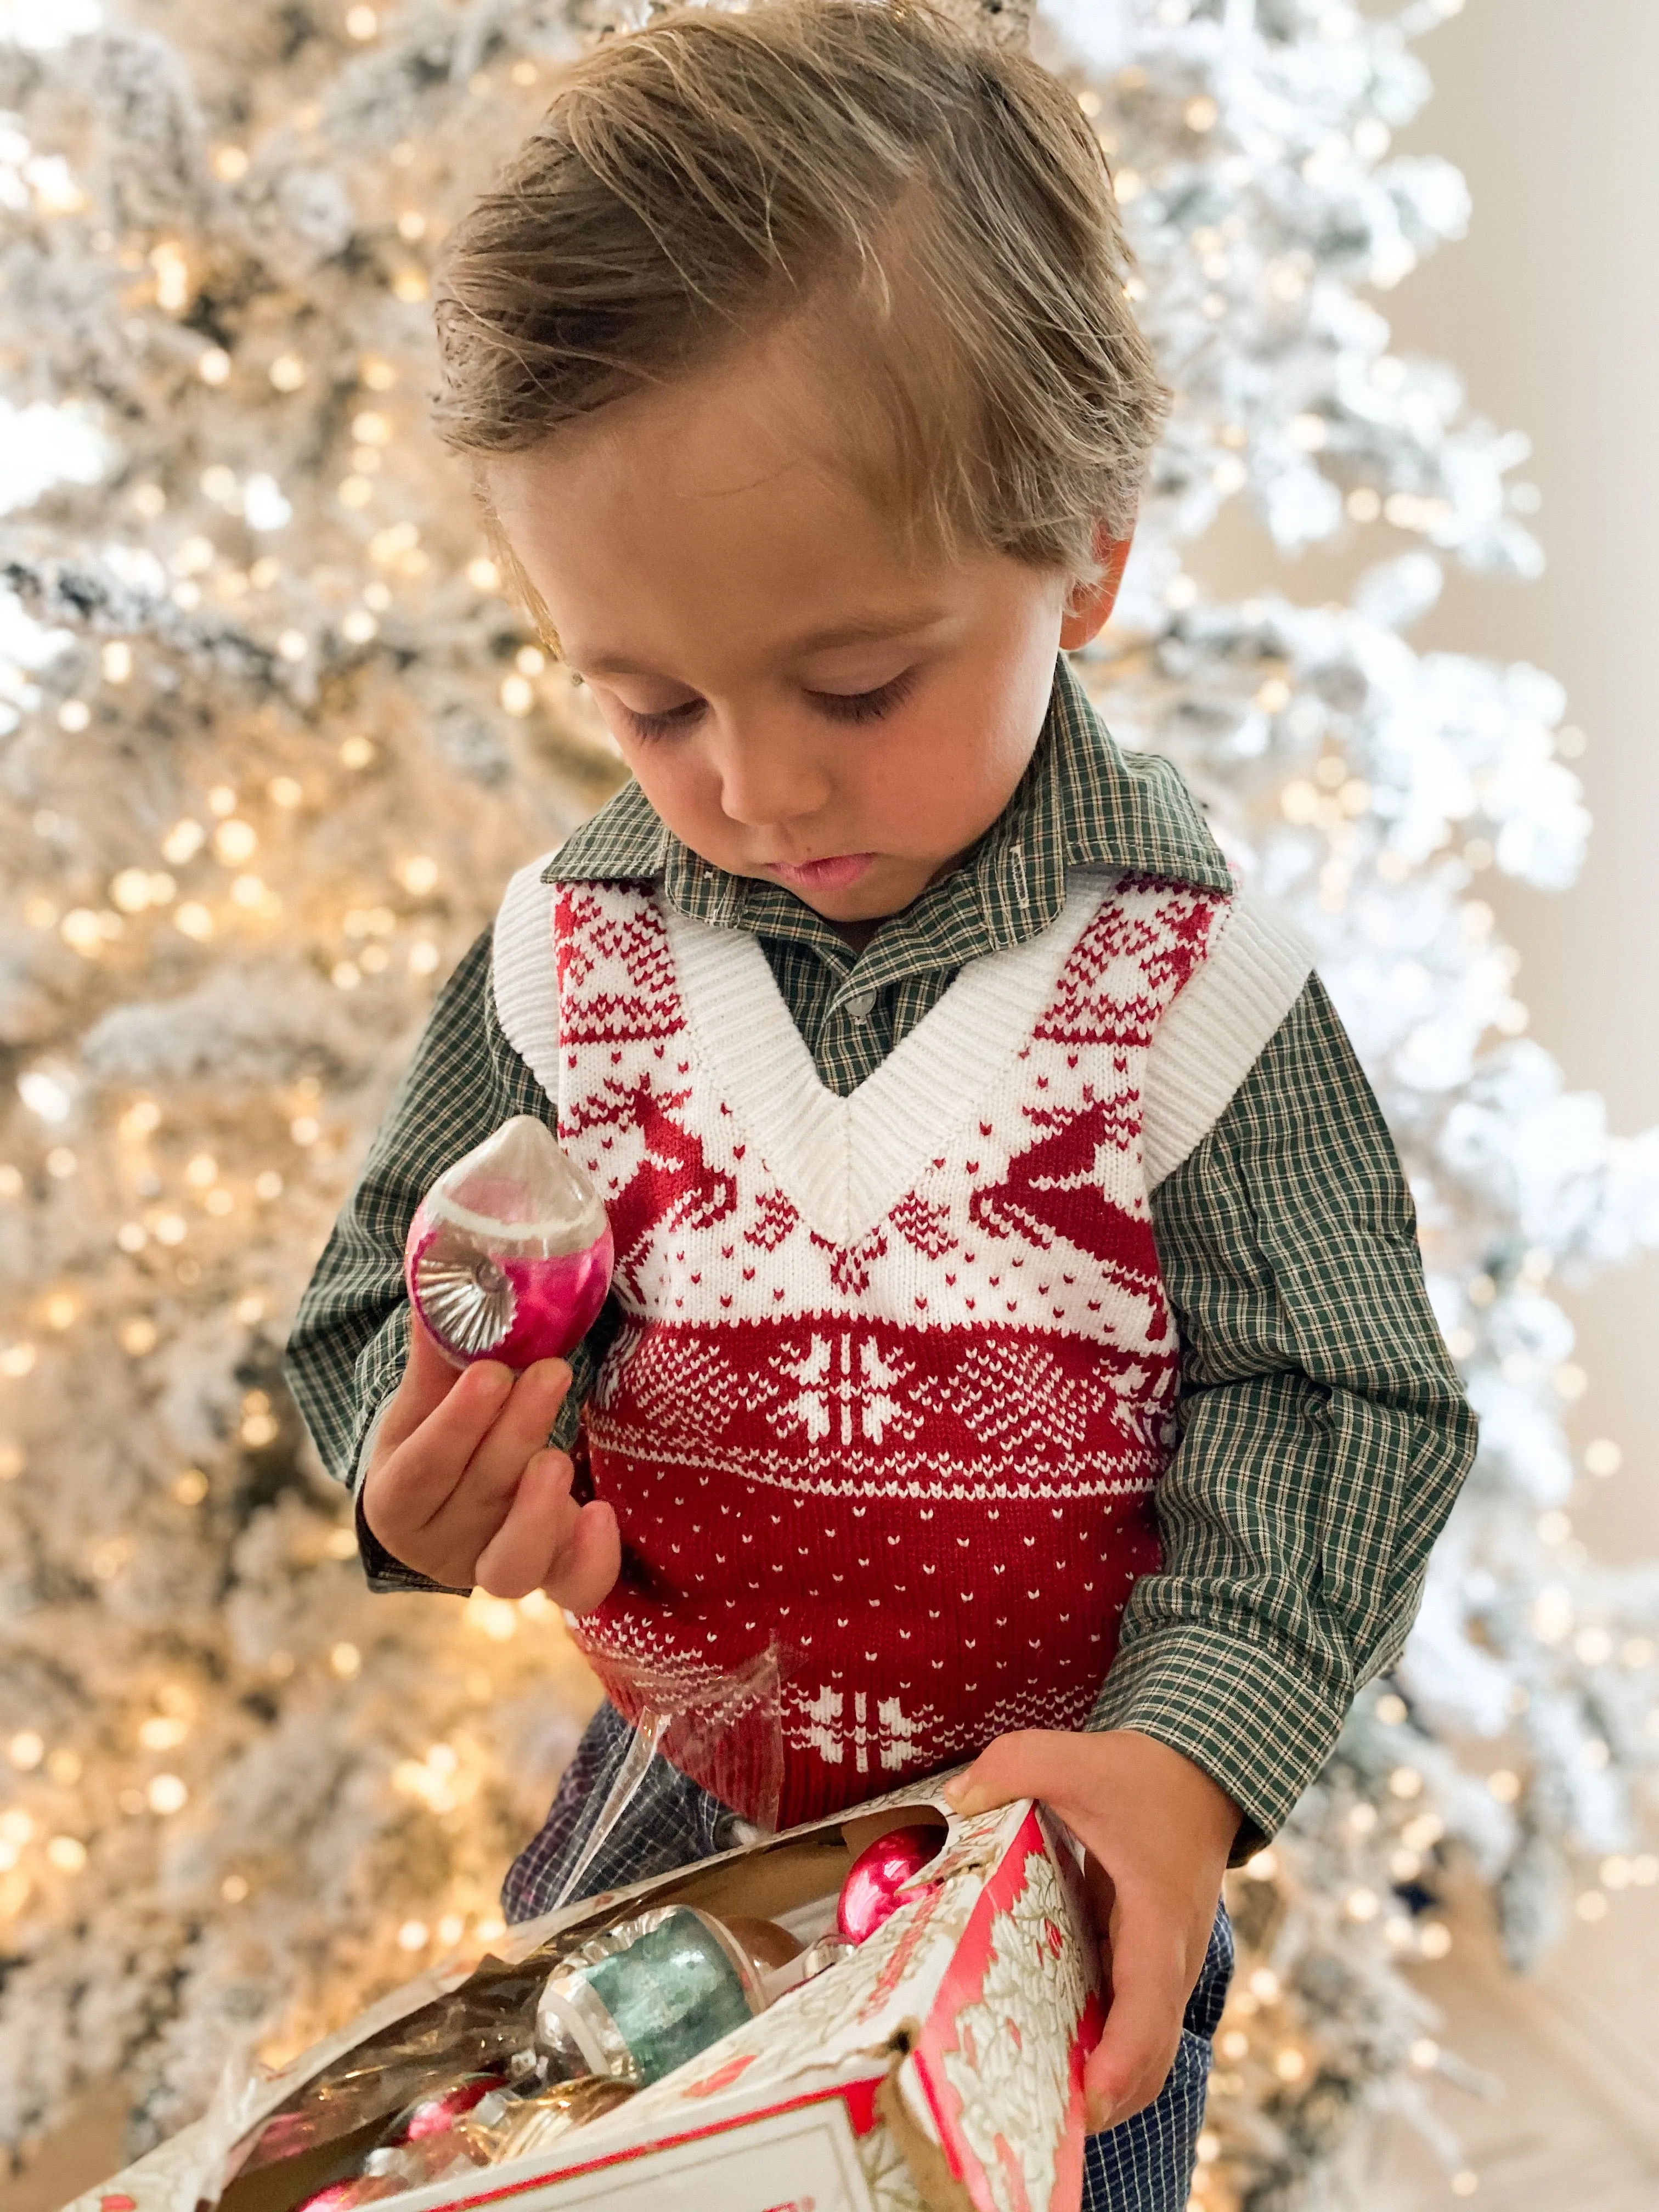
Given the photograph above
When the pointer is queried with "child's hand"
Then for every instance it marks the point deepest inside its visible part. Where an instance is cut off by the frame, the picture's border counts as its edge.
(460, 1485)
(1158, 1832)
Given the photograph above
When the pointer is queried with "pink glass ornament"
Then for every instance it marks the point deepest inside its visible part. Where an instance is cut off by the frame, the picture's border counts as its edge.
(509, 1255)
(870, 1893)
(436, 2113)
(346, 2196)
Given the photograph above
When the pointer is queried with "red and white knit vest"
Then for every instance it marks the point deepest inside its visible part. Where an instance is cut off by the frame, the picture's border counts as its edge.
(896, 1376)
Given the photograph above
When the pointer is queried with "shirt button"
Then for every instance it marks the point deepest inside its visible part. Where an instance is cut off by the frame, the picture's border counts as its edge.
(861, 1005)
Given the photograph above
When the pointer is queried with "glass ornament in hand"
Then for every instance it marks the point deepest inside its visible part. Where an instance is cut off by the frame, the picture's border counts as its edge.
(509, 1255)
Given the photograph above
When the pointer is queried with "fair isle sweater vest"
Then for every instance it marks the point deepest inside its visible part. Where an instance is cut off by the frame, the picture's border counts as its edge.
(896, 1377)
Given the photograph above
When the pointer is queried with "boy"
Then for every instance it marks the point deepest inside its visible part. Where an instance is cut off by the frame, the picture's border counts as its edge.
(1019, 1322)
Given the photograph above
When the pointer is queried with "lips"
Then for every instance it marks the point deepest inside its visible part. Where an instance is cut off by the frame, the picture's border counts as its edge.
(833, 874)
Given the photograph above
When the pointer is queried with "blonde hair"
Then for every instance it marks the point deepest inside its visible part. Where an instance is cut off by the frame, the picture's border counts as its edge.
(933, 211)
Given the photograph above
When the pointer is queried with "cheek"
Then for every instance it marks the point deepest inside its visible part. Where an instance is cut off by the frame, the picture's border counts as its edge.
(673, 777)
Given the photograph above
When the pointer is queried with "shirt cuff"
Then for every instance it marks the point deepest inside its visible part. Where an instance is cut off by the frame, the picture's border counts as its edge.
(1243, 1717)
(384, 1572)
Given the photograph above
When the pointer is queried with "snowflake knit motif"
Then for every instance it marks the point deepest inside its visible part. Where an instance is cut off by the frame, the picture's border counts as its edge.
(895, 1376)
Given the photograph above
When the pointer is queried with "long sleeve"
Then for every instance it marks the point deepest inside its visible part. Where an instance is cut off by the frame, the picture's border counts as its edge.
(1325, 1434)
(350, 1338)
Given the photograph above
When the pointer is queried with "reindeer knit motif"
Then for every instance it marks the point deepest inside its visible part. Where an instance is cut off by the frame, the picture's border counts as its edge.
(896, 1377)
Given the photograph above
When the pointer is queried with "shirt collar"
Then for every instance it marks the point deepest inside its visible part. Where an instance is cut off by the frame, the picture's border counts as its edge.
(1082, 803)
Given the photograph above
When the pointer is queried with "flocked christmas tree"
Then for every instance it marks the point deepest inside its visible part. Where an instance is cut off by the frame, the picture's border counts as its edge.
(275, 741)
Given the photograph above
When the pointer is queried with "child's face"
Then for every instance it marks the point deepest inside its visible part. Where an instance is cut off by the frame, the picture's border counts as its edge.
(798, 702)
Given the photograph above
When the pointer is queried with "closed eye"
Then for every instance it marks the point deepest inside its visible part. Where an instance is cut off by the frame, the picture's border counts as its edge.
(865, 706)
(670, 723)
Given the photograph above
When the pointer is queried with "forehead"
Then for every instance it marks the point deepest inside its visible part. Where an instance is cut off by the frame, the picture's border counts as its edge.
(717, 508)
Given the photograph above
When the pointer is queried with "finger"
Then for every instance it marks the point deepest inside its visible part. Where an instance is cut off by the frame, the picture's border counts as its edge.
(521, 1428)
(587, 1569)
(1131, 2063)
(480, 1502)
(539, 1524)
(410, 1486)
(428, 1379)
(1028, 1763)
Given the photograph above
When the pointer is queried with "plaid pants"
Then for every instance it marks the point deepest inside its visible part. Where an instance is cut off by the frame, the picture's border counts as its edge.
(1143, 2165)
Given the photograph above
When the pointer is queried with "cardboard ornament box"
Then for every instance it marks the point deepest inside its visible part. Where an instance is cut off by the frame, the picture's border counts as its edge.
(937, 2067)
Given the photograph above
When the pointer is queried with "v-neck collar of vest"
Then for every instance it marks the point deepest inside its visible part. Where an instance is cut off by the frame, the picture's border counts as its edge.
(846, 1162)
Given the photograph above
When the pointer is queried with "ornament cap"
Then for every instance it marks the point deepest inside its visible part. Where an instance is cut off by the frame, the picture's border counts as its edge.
(519, 1190)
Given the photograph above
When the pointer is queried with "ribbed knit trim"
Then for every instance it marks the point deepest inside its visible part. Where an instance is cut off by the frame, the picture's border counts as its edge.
(1201, 1051)
(845, 1163)
(523, 976)
(1213, 1034)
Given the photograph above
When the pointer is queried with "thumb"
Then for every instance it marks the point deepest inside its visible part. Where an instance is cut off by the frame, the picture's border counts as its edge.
(1029, 1763)
(428, 1378)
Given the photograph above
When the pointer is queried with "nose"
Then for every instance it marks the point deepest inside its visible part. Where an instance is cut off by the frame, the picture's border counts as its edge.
(767, 779)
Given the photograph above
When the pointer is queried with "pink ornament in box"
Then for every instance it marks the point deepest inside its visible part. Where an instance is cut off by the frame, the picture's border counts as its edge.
(509, 1255)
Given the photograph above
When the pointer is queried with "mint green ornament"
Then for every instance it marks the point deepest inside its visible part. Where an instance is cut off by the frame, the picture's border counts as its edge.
(636, 2002)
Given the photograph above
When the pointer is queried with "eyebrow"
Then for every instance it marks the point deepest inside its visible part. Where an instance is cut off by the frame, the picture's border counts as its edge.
(872, 630)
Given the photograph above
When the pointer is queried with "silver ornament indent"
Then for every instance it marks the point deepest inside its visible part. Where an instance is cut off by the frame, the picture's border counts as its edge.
(469, 1303)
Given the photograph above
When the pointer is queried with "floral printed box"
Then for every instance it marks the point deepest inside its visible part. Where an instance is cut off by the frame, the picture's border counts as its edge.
(938, 2067)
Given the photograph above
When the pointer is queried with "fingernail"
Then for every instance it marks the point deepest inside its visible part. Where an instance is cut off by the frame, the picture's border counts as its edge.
(963, 1795)
(498, 1380)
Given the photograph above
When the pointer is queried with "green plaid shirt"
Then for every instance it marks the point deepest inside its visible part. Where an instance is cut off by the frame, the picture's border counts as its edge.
(1324, 1432)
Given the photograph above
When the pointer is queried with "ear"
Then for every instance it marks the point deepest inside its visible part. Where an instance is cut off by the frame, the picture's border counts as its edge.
(1089, 608)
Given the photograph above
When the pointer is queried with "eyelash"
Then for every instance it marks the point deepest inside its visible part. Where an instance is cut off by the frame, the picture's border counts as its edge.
(847, 708)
